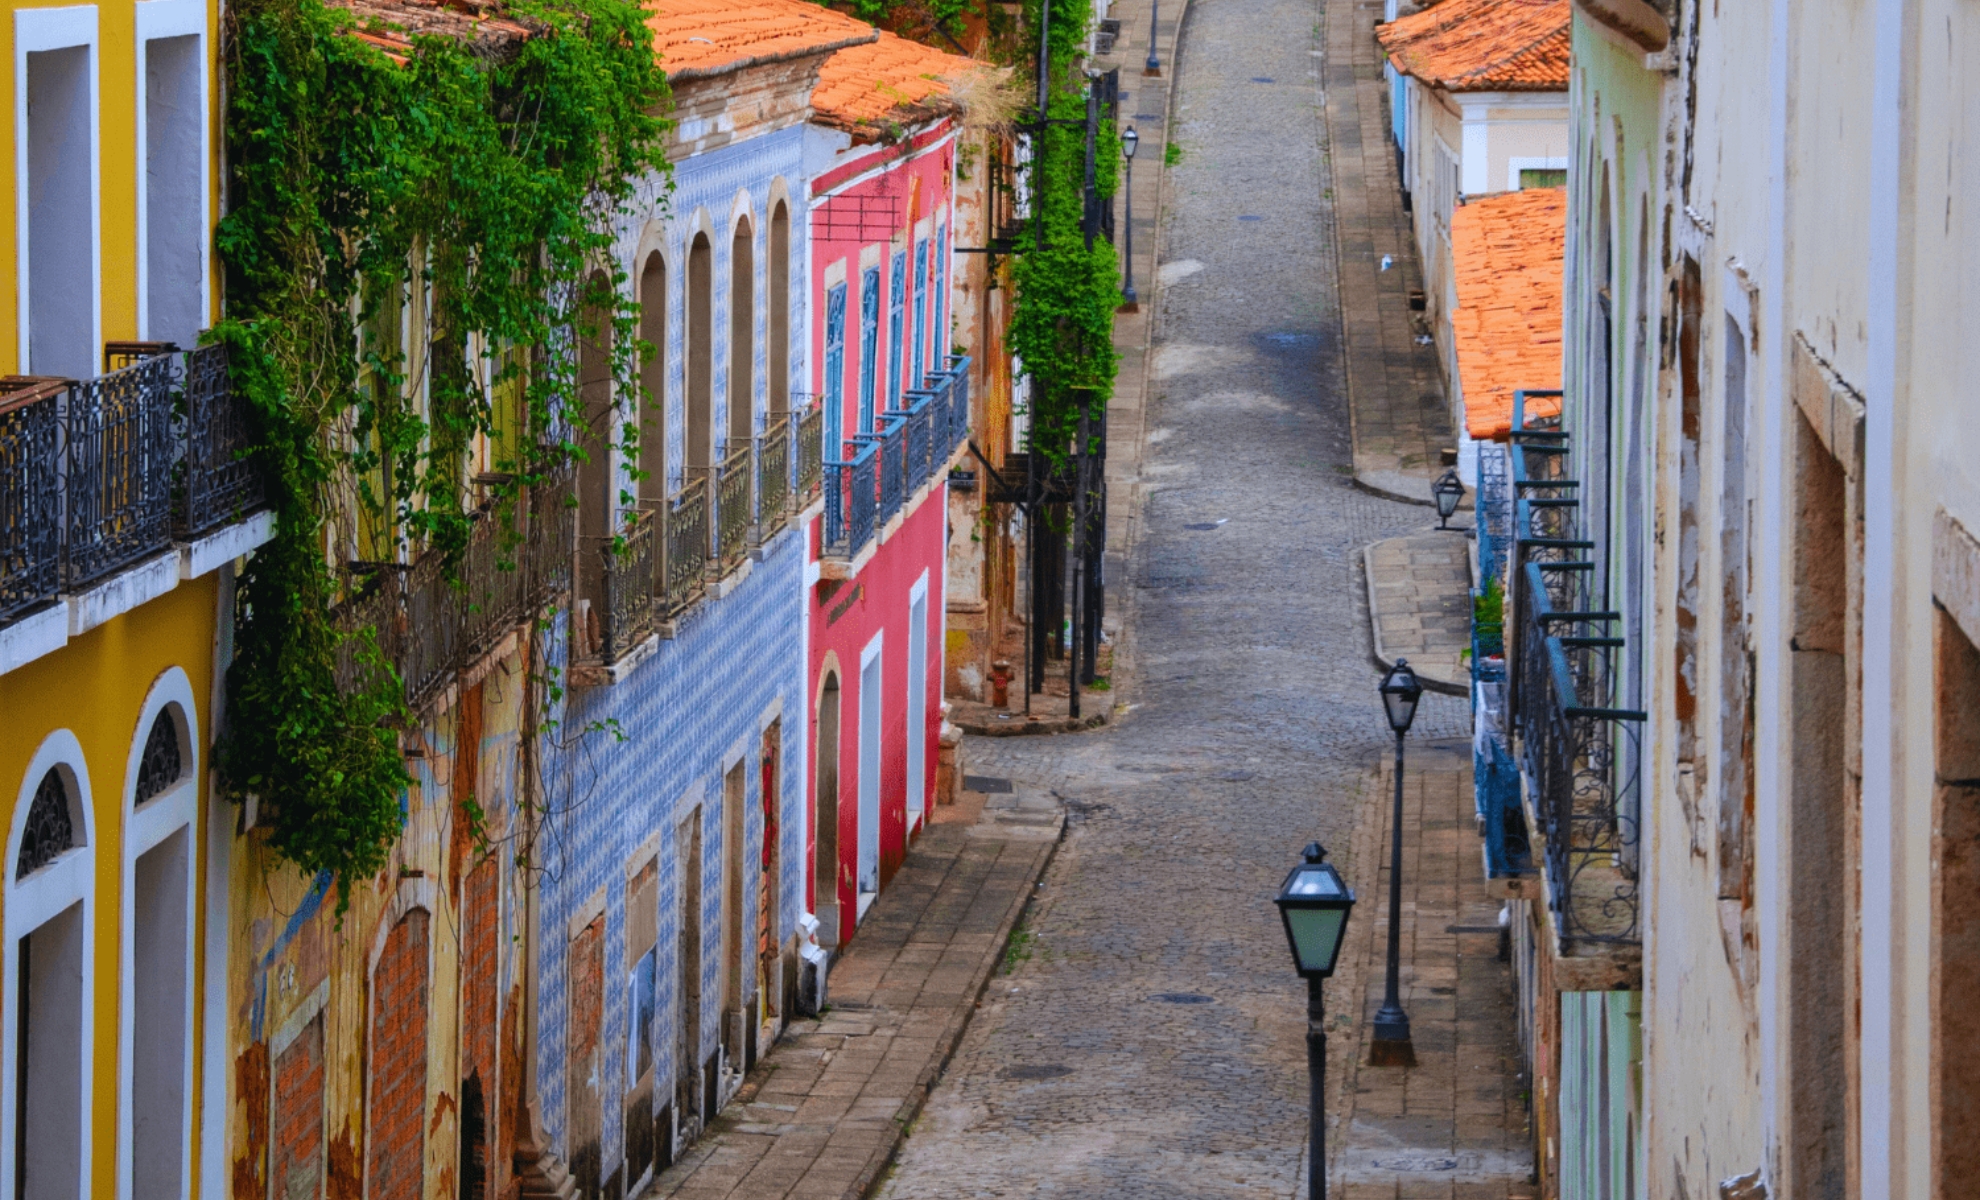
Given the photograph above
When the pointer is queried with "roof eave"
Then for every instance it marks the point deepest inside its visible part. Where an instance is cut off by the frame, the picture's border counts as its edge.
(821, 50)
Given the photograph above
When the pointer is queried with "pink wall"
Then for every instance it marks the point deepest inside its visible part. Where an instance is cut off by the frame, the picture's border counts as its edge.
(880, 211)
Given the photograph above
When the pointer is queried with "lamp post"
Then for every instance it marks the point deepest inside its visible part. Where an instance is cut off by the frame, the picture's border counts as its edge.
(1314, 904)
(1390, 1047)
(1129, 141)
(1153, 67)
(1447, 492)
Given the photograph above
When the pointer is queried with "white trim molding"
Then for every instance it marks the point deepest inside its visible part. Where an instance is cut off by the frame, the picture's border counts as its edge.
(158, 19)
(37, 30)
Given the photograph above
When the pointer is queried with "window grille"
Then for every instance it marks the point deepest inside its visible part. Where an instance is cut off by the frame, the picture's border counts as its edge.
(161, 766)
(49, 833)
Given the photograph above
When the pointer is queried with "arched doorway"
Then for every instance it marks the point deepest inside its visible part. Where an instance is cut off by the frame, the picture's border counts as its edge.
(825, 820)
(742, 337)
(700, 353)
(779, 349)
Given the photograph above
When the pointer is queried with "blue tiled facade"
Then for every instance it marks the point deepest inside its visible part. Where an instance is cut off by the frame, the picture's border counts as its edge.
(627, 763)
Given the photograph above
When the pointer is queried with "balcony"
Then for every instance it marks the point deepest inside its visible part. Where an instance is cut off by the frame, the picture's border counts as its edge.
(1578, 753)
(101, 477)
(889, 472)
(433, 618)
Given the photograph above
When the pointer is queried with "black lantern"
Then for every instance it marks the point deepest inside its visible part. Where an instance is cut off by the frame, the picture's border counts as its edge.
(1315, 905)
(1448, 492)
(1129, 140)
(1400, 692)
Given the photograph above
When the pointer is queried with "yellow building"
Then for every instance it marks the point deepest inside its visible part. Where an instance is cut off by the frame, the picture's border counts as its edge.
(123, 510)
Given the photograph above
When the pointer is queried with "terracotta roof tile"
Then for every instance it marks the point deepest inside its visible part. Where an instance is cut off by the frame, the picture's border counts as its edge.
(862, 87)
(1483, 45)
(1507, 255)
(391, 25)
(707, 37)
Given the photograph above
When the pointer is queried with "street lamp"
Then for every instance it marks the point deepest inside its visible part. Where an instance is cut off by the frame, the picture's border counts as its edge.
(1314, 904)
(1154, 64)
(1129, 140)
(1391, 1046)
(1447, 492)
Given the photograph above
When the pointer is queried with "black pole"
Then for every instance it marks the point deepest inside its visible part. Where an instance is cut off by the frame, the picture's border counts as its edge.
(1129, 301)
(1154, 64)
(1392, 1023)
(1080, 532)
(1030, 510)
(1316, 1073)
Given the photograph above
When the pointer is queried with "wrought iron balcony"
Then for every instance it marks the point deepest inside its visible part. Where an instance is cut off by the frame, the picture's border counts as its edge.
(810, 423)
(435, 616)
(734, 510)
(630, 588)
(851, 500)
(684, 564)
(892, 440)
(99, 475)
(773, 457)
(958, 414)
(919, 444)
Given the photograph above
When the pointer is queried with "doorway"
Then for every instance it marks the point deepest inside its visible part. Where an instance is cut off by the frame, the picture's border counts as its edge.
(769, 936)
(734, 785)
(869, 776)
(825, 821)
(917, 705)
(687, 1033)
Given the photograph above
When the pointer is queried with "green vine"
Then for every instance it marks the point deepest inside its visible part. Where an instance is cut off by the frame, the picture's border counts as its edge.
(1063, 318)
(474, 184)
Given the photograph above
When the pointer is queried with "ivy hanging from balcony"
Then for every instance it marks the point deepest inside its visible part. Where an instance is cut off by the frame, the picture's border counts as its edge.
(475, 177)
(1063, 318)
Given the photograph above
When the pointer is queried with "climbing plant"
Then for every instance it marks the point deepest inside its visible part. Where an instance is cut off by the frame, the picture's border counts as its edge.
(475, 177)
(1066, 291)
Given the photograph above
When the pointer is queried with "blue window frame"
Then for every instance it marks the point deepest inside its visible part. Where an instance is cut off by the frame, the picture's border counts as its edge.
(835, 372)
(896, 328)
(939, 348)
(920, 313)
(869, 344)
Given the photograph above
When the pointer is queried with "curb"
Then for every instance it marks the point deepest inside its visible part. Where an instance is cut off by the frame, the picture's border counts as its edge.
(869, 1179)
(1383, 658)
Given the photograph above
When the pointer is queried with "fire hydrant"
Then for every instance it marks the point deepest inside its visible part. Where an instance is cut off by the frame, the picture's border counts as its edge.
(1000, 683)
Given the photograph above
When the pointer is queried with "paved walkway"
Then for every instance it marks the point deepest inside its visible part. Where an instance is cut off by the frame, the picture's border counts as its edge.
(1453, 1127)
(821, 1115)
(1401, 418)
(1419, 602)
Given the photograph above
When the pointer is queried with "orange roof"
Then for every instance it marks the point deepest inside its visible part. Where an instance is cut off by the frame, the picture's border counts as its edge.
(708, 37)
(391, 25)
(1507, 254)
(1483, 45)
(892, 78)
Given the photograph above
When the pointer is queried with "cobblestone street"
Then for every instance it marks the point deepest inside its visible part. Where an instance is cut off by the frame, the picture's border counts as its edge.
(1151, 1044)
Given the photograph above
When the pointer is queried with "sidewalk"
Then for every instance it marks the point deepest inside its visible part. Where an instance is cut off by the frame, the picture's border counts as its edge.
(1419, 602)
(1455, 1125)
(1395, 391)
(822, 1114)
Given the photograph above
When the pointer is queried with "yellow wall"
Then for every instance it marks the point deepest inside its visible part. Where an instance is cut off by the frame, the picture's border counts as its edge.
(95, 687)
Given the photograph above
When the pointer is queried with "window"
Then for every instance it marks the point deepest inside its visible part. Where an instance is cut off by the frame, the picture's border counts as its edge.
(653, 378)
(780, 310)
(174, 187)
(642, 968)
(1542, 177)
(700, 352)
(920, 313)
(896, 327)
(869, 345)
(835, 371)
(61, 224)
(941, 331)
(50, 831)
(161, 765)
(742, 338)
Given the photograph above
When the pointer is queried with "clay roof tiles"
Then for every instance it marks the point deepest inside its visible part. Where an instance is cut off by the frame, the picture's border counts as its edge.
(892, 79)
(709, 37)
(391, 25)
(1507, 255)
(1483, 45)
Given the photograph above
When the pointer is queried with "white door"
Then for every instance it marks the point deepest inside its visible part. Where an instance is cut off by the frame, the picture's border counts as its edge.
(917, 704)
(869, 775)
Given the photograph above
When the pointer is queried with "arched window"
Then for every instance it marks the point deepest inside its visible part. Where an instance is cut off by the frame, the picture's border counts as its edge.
(161, 765)
(50, 831)
(653, 378)
(825, 821)
(594, 476)
(742, 337)
(780, 310)
(700, 353)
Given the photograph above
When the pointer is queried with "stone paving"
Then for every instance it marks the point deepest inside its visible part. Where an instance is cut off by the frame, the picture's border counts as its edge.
(1401, 417)
(1419, 600)
(1152, 1044)
(820, 1117)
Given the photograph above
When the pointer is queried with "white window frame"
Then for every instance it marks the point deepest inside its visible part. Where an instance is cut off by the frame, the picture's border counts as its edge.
(158, 19)
(30, 904)
(174, 809)
(917, 722)
(37, 30)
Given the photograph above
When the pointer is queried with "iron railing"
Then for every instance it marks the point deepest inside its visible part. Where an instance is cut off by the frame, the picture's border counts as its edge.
(958, 395)
(118, 489)
(221, 484)
(630, 561)
(684, 566)
(433, 617)
(810, 430)
(773, 497)
(30, 492)
(733, 511)
(851, 495)
(890, 437)
(918, 440)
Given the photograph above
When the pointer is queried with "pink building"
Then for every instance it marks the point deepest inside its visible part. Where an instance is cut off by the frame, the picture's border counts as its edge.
(883, 142)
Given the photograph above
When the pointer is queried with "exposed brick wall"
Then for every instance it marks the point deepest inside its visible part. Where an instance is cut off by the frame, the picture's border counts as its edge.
(586, 1069)
(394, 1143)
(480, 985)
(297, 1149)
